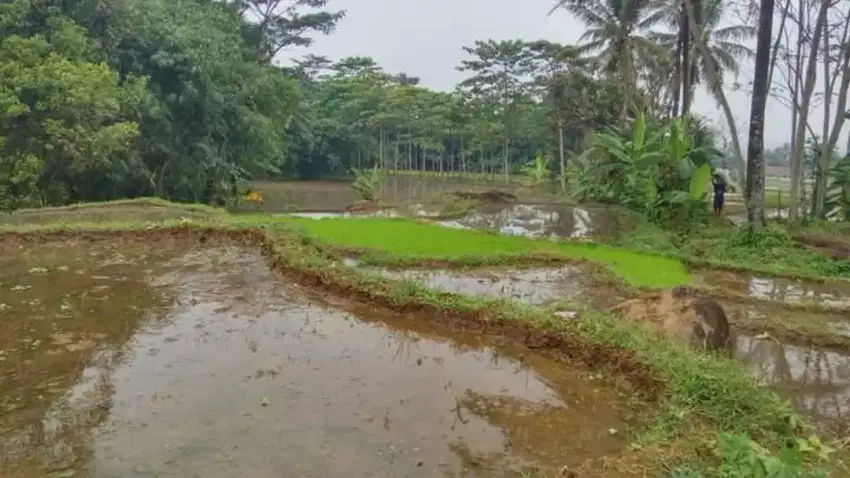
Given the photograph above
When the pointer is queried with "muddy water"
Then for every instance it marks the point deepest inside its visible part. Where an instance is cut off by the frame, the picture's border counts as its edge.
(779, 289)
(744, 312)
(572, 284)
(816, 381)
(336, 215)
(243, 375)
(548, 220)
(284, 196)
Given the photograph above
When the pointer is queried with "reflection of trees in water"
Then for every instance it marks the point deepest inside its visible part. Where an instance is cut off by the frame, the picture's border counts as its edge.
(406, 341)
(62, 438)
(66, 387)
(537, 436)
(549, 220)
(817, 381)
(781, 289)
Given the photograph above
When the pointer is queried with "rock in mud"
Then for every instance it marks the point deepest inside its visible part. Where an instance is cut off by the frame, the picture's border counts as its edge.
(681, 314)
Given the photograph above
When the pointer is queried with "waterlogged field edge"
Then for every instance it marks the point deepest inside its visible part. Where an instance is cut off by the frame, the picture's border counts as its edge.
(695, 392)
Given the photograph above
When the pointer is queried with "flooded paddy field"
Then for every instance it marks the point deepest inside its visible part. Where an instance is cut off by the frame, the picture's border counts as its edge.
(780, 289)
(143, 359)
(814, 379)
(535, 215)
(548, 220)
(287, 196)
(534, 286)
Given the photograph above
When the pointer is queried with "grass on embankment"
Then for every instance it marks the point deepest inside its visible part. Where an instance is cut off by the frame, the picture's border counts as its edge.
(772, 252)
(409, 241)
(138, 210)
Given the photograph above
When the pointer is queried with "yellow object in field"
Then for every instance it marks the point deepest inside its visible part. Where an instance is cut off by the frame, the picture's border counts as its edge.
(253, 196)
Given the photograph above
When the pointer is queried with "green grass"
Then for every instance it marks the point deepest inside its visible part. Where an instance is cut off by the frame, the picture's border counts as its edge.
(772, 252)
(139, 210)
(410, 240)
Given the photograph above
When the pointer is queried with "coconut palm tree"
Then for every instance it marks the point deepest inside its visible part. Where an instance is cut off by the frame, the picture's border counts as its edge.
(615, 35)
(723, 43)
(714, 52)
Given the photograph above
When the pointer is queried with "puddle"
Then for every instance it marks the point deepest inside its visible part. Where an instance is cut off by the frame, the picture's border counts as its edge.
(346, 215)
(547, 220)
(244, 375)
(777, 288)
(742, 312)
(537, 287)
(816, 381)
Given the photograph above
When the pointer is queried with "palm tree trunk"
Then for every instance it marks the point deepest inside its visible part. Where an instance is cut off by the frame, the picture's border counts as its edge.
(677, 78)
(685, 39)
(755, 152)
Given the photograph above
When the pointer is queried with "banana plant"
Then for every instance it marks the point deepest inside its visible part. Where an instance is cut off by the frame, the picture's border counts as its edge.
(537, 170)
(838, 196)
(629, 162)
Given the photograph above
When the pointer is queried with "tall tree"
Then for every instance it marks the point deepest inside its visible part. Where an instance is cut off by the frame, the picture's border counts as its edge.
(755, 151)
(283, 23)
(501, 72)
(614, 34)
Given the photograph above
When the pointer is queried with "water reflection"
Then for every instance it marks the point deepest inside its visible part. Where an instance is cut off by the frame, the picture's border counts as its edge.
(779, 289)
(68, 311)
(538, 286)
(249, 376)
(283, 196)
(817, 381)
(548, 220)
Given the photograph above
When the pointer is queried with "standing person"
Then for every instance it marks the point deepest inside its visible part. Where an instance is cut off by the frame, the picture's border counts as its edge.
(720, 185)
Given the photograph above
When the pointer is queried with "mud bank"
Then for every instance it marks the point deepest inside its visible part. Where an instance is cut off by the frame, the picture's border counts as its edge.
(214, 367)
(571, 284)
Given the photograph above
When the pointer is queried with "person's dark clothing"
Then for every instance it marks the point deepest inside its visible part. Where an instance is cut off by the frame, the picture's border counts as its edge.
(719, 193)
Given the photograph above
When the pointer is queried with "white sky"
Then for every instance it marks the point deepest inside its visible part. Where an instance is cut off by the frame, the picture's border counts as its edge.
(424, 38)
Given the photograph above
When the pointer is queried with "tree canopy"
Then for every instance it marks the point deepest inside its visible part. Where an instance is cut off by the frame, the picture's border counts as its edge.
(181, 99)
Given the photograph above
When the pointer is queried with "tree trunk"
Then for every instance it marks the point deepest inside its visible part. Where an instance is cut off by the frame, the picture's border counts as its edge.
(462, 155)
(677, 78)
(803, 117)
(685, 39)
(507, 159)
(755, 152)
(561, 156)
(831, 139)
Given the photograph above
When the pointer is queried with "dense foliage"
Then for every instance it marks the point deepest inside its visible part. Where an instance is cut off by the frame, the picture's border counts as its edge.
(106, 99)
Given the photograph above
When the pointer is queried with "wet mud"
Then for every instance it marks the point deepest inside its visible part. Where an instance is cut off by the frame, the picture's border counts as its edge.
(287, 196)
(757, 316)
(815, 380)
(572, 284)
(385, 213)
(202, 362)
(548, 220)
(779, 289)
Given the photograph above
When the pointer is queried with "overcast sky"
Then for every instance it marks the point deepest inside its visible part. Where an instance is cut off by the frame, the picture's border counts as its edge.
(424, 38)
